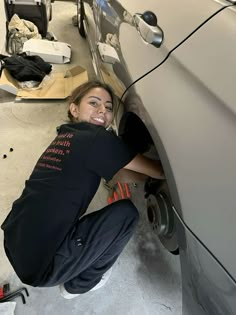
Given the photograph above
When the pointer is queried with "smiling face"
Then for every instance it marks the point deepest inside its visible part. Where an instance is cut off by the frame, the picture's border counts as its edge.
(95, 107)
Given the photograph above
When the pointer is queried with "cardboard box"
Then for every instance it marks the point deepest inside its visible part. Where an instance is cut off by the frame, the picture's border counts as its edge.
(8, 83)
(110, 78)
(53, 52)
(58, 85)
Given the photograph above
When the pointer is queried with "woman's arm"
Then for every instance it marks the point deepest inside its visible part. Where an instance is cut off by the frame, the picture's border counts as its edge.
(142, 164)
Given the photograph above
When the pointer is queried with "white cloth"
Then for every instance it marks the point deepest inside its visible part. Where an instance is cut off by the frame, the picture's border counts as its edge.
(19, 31)
(7, 308)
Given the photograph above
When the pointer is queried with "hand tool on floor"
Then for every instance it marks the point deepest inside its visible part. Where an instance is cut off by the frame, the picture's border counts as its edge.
(6, 295)
(117, 191)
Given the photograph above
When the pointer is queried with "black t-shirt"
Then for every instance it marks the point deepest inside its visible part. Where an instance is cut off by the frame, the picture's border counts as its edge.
(58, 192)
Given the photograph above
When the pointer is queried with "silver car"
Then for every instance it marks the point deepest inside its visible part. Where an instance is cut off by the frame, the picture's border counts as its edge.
(173, 65)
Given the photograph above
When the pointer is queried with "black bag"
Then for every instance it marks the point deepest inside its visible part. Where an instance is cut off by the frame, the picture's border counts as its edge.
(27, 68)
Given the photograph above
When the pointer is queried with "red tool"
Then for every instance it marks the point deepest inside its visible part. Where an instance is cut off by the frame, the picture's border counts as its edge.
(120, 193)
(1, 293)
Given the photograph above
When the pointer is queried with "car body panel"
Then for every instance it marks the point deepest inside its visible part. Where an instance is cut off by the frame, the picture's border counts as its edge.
(175, 31)
(207, 288)
(188, 106)
(170, 15)
(206, 137)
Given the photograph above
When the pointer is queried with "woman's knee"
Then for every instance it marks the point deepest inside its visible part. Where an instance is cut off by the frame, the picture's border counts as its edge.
(126, 210)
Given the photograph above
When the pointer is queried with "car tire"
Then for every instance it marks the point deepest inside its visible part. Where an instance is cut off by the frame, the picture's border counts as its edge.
(80, 15)
(50, 13)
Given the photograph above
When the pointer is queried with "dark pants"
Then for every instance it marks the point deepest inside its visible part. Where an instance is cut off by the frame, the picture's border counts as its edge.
(92, 247)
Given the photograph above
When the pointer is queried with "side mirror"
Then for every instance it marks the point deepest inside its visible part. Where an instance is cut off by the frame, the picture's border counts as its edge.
(147, 26)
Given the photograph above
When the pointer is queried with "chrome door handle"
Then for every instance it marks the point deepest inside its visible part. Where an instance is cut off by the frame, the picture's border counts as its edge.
(147, 26)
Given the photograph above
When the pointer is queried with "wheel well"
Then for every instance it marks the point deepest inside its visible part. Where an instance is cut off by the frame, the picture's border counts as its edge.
(136, 135)
(133, 132)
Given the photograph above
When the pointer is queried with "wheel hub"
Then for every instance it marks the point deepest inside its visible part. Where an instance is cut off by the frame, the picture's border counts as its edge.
(161, 217)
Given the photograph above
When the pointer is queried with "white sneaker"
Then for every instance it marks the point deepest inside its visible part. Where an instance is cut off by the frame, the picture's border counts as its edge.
(101, 283)
(66, 294)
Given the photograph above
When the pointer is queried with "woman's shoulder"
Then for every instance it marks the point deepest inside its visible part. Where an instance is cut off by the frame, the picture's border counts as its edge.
(77, 126)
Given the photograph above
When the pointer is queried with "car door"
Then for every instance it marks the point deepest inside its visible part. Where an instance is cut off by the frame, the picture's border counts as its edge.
(117, 20)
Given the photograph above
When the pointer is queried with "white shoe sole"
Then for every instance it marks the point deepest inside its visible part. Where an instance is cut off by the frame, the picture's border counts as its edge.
(67, 295)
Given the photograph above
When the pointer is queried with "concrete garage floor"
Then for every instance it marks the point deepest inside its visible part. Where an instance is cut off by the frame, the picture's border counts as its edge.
(146, 278)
